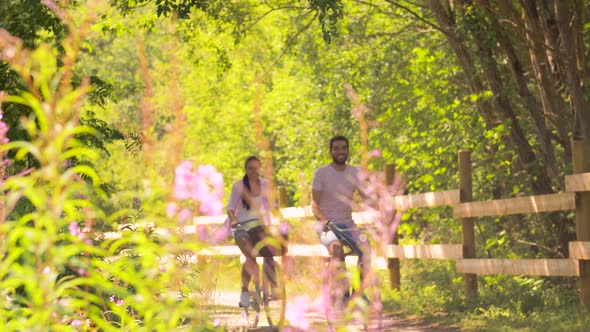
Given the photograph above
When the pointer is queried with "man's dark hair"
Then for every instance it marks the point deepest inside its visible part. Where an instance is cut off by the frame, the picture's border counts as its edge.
(338, 138)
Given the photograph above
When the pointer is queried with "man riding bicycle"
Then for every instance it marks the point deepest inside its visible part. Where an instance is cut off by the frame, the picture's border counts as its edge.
(333, 186)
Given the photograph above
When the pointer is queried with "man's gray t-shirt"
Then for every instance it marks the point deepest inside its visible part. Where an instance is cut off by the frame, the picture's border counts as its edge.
(337, 189)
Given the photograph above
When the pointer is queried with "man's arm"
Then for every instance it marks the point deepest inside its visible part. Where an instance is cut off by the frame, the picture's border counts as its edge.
(315, 208)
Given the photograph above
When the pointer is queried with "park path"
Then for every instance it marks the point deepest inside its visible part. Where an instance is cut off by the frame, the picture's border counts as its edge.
(227, 313)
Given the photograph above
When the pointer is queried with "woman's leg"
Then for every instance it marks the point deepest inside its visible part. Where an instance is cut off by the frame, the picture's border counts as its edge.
(250, 267)
(270, 272)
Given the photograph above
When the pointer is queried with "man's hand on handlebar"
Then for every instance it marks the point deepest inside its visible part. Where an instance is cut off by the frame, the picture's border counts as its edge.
(326, 225)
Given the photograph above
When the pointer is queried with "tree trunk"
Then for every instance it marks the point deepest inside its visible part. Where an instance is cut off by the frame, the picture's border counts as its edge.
(569, 24)
(500, 106)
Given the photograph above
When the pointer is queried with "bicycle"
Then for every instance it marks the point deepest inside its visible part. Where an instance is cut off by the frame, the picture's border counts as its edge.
(262, 295)
(351, 248)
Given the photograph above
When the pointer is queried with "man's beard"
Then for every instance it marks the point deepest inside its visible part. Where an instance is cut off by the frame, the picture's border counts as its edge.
(338, 162)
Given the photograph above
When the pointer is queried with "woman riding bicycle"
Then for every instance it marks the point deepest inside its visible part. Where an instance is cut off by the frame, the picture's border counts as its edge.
(248, 210)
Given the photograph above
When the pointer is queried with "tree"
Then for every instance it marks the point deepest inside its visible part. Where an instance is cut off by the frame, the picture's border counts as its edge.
(525, 64)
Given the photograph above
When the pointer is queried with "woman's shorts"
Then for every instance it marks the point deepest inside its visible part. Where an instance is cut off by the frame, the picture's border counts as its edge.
(258, 234)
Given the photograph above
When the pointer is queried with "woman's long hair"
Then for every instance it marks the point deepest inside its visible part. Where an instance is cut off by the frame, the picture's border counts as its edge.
(247, 181)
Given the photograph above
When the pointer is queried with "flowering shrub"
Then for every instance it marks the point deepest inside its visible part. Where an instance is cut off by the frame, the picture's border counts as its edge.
(203, 187)
(58, 271)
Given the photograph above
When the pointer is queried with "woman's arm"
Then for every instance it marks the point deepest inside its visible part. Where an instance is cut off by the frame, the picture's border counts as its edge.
(232, 217)
(235, 202)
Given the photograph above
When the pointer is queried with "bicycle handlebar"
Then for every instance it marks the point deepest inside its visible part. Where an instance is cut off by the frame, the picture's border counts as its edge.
(346, 238)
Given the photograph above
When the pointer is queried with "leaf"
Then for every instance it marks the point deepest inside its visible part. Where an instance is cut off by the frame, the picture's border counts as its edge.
(84, 171)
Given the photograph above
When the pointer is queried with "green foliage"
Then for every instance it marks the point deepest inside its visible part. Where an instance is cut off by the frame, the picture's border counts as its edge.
(58, 271)
(29, 21)
(329, 12)
(433, 291)
(213, 82)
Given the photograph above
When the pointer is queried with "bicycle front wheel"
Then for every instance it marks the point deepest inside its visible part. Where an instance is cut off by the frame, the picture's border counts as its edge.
(274, 297)
(251, 313)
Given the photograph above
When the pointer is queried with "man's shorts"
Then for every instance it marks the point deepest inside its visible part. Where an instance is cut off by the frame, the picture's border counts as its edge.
(326, 238)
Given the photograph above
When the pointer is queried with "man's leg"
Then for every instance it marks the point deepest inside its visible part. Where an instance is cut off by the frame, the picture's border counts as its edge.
(363, 248)
(361, 242)
(337, 270)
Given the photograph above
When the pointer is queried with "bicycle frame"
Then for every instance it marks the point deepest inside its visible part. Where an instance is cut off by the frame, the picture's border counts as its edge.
(263, 288)
(348, 241)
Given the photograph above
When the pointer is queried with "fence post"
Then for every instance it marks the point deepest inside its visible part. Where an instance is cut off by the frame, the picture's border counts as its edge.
(581, 164)
(282, 196)
(393, 264)
(466, 189)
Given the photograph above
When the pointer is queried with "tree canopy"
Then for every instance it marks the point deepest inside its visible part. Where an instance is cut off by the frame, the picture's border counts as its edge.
(220, 80)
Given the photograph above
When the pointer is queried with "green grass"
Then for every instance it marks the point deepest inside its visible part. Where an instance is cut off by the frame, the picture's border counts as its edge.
(433, 291)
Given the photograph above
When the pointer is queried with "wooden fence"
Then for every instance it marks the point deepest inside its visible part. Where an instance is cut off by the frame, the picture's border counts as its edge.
(576, 197)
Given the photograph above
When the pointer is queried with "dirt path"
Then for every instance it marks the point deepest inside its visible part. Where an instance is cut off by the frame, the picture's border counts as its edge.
(226, 312)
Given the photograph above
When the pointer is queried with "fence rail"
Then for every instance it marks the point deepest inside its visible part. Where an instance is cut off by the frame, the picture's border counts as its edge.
(576, 197)
(531, 267)
(519, 205)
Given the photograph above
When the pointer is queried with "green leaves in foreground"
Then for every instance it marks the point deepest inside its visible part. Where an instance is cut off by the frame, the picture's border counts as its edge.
(58, 272)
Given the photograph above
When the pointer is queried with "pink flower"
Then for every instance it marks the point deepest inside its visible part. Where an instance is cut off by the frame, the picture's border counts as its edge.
(295, 312)
(321, 303)
(202, 233)
(205, 186)
(3, 131)
(284, 228)
(206, 170)
(51, 5)
(212, 207)
(74, 228)
(375, 153)
(113, 299)
(220, 234)
(77, 322)
(182, 175)
(184, 216)
(171, 209)
(217, 182)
